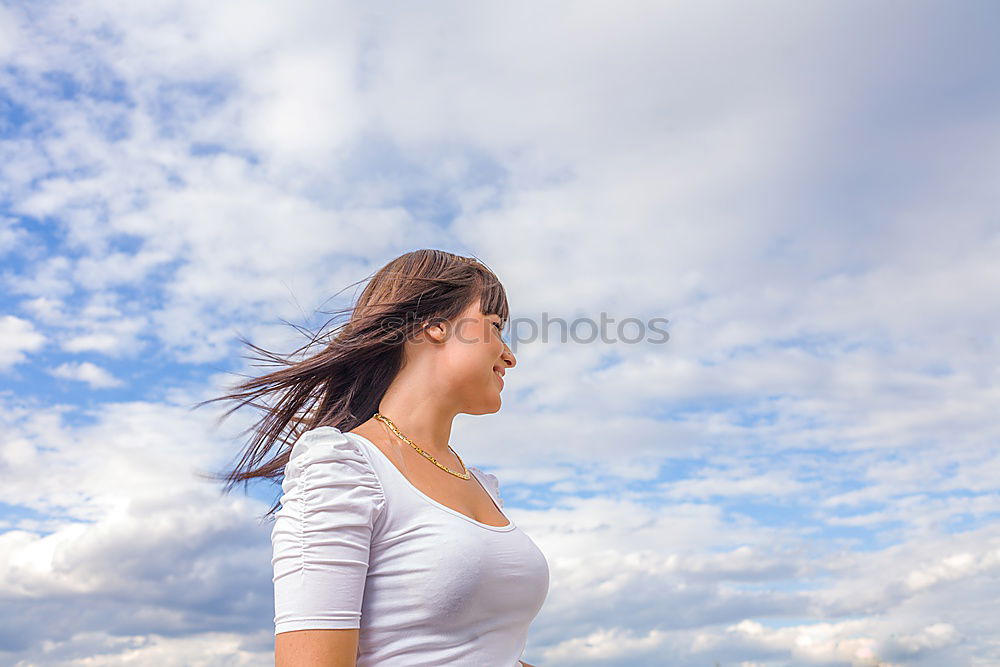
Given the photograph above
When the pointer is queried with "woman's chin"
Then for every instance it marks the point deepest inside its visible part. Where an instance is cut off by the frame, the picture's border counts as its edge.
(487, 407)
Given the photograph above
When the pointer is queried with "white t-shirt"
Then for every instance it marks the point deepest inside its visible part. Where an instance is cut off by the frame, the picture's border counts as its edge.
(356, 545)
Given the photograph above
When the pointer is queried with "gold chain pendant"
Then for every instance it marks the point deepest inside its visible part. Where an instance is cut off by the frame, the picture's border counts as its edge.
(388, 422)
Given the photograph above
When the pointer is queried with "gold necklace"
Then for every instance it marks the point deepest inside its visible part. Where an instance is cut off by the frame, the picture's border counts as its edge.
(388, 422)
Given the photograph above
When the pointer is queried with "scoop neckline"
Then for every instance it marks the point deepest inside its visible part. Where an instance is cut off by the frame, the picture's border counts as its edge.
(450, 510)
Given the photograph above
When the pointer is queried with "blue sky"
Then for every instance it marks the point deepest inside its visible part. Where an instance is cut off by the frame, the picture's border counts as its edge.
(805, 473)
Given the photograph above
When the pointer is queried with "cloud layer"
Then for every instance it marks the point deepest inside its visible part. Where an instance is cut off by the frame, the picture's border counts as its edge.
(803, 474)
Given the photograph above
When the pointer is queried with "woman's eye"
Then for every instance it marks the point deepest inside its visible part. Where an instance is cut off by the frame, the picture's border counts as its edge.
(499, 328)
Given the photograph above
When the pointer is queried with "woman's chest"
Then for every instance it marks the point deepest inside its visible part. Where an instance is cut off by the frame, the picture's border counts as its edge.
(460, 569)
(404, 473)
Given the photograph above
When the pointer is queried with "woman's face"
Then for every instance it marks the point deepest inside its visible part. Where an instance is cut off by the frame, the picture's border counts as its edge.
(477, 357)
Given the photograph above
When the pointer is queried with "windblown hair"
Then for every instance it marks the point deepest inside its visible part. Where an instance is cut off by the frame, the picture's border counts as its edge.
(343, 383)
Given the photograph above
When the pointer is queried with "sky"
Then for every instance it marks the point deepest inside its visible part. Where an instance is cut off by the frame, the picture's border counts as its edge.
(805, 472)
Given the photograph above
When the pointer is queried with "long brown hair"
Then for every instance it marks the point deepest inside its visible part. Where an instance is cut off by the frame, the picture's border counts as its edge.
(342, 384)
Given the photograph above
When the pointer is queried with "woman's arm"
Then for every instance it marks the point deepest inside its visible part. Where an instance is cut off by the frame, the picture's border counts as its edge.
(316, 648)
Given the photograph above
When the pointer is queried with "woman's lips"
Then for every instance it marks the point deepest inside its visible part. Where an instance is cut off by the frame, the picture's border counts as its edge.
(499, 377)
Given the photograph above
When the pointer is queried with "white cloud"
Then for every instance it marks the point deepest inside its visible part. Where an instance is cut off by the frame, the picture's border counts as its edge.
(46, 309)
(11, 236)
(9, 32)
(17, 338)
(85, 371)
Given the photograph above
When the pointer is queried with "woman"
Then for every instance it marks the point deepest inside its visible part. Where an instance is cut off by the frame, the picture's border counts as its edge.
(387, 549)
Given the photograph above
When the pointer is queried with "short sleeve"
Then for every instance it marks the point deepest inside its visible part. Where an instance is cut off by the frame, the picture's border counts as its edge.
(492, 485)
(322, 533)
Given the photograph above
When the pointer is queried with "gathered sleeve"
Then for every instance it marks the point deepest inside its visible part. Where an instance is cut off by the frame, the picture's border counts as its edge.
(322, 533)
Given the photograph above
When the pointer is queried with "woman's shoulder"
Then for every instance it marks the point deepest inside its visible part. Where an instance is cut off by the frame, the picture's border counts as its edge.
(323, 443)
(490, 481)
(329, 456)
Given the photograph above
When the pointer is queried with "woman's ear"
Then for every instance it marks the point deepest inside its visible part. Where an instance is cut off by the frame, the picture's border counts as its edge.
(436, 330)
